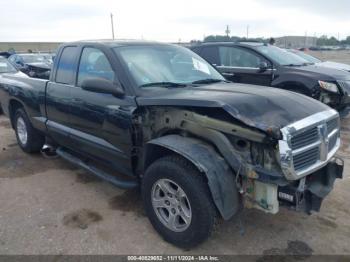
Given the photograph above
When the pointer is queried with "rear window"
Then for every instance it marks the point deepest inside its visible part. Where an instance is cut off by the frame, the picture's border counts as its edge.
(67, 65)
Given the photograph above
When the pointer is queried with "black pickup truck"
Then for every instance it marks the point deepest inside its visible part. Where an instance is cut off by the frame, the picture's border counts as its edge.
(261, 64)
(159, 117)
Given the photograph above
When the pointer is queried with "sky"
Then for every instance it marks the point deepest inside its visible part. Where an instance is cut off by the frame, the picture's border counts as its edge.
(169, 21)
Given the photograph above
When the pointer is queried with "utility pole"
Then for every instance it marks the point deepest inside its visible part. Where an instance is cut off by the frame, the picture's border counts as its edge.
(247, 32)
(112, 26)
(227, 31)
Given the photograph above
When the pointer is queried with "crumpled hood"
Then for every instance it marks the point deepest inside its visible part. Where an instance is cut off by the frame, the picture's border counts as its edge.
(264, 108)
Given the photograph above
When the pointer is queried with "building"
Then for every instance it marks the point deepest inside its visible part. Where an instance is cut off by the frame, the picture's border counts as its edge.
(296, 41)
(20, 47)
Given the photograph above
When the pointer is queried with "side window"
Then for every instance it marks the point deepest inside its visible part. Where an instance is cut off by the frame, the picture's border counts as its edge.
(238, 57)
(66, 66)
(94, 63)
(210, 53)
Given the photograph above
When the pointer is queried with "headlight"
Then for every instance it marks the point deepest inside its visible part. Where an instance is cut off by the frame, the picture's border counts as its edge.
(331, 87)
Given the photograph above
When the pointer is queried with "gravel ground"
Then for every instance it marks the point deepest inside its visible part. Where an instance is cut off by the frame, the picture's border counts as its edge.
(50, 207)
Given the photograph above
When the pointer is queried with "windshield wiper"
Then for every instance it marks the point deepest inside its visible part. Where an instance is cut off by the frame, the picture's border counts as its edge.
(208, 81)
(165, 84)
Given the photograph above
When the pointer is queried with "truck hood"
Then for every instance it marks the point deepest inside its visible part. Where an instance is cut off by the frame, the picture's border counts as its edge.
(265, 108)
(321, 72)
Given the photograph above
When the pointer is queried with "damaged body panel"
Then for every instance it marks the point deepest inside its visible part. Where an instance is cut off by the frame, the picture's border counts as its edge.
(267, 109)
(215, 168)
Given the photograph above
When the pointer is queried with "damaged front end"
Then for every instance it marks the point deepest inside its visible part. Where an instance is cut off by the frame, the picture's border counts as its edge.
(308, 193)
(306, 156)
(293, 167)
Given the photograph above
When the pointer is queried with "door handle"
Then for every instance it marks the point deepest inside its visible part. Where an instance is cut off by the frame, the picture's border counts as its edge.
(228, 74)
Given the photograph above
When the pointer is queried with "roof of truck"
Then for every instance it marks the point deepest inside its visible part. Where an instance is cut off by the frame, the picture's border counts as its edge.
(118, 42)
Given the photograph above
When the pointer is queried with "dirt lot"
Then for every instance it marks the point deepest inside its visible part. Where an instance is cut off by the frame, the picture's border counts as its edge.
(342, 56)
(51, 207)
(48, 206)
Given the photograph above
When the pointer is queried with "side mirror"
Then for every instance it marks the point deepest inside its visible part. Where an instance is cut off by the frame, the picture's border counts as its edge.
(263, 66)
(101, 85)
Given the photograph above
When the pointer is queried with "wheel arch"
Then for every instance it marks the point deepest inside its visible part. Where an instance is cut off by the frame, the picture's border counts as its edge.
(13, 106)
(220, 178)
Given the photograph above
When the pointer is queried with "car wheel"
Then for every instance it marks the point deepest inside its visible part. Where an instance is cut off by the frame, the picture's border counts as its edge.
(178, 202)
(29, 139)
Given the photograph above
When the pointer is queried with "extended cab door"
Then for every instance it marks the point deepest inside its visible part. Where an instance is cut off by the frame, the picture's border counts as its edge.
(100, 122)
(58, 95)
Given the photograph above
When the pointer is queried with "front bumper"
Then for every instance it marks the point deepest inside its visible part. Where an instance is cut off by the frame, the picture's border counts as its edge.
(309, 196)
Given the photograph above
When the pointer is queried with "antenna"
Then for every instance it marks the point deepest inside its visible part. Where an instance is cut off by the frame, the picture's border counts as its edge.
(112, 26)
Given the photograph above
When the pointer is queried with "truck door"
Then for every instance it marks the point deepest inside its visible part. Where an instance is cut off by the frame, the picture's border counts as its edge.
(101, 123)
(241, 65)
(58, 95)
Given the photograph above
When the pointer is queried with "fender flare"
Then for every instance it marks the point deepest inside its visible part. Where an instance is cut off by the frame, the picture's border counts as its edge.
(221, 179)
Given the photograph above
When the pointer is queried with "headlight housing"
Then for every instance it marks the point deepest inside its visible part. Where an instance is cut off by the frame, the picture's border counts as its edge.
(331, 87)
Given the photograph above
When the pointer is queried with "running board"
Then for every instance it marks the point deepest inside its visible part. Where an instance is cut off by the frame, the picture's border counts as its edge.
(94, 170)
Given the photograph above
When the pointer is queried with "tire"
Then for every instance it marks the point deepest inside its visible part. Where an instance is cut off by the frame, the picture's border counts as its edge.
(172, 170)
(29, 139)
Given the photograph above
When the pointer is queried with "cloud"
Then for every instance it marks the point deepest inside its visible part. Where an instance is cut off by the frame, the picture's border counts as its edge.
(63, 20)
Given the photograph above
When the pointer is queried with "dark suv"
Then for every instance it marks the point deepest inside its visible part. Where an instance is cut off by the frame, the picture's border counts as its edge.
(262, 64)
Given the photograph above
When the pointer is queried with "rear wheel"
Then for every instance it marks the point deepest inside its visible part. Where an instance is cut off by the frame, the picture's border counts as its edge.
(29, 139)
(178, 202)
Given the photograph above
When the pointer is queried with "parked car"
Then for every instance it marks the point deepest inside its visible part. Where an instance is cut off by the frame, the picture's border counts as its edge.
(263, 64)
(199, 146)
(34, 65)
(313, 60)
(7, 68)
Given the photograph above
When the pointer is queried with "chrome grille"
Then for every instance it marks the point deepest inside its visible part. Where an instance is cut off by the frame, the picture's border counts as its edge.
(332, 124)
(305, 138)
(308, 144)
(332, 142)
(306, 159)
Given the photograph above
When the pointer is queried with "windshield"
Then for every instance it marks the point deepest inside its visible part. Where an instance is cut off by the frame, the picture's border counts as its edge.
(281, 56)
(5, 66)
(305, 56)
(166, 65)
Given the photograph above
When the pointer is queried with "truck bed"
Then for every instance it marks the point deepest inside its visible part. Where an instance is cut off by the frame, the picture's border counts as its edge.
(30, 92)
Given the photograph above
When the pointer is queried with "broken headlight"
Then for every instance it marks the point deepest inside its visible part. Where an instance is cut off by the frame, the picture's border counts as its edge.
(331, 87)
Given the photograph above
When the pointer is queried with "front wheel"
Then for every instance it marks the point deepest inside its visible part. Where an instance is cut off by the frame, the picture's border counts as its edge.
(178, 202)
(28, 138)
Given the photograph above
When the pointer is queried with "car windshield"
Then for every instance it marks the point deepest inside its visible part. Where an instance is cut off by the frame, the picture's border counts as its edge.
(305, 56)
(166, 66)
(5, 66)
(281, 56)
(33, 58)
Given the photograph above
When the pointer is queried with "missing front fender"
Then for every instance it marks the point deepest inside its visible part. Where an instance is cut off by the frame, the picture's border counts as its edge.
(221, 180)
